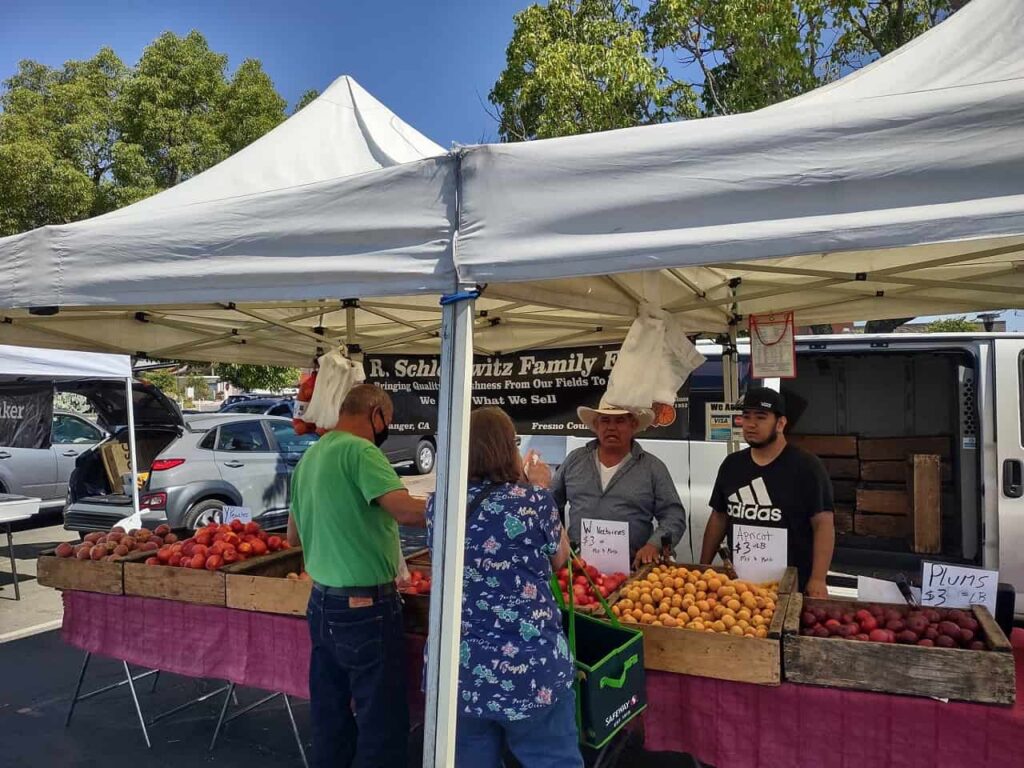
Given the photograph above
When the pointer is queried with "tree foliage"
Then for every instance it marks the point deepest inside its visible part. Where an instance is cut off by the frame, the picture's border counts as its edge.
(94, 135)
(257, 377)
(951, 325)
(576, 66)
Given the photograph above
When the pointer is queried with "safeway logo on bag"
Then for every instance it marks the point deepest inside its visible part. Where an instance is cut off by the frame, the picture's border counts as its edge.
(11, 412)
(615, 716)
(753, 502)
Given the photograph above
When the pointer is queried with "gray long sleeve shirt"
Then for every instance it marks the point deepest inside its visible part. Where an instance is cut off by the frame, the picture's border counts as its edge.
(640, 492)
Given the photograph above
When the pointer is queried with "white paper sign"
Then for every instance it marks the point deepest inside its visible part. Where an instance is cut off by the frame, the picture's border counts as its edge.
(759, 554)
(129, 523)
(244, 514)
(604, 544)
(871, 590)
(772, 346)
(953, 586)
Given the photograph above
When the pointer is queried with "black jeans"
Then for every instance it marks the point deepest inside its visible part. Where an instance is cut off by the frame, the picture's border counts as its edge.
(357, 662)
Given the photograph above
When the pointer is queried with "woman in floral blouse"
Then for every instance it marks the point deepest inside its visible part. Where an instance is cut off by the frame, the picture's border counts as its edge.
(515, 671)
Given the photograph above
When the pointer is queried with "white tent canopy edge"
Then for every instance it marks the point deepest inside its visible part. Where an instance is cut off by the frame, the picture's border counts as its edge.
(55, 365)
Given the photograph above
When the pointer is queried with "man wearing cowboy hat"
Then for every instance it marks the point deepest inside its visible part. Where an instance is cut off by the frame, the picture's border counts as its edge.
(613, 478)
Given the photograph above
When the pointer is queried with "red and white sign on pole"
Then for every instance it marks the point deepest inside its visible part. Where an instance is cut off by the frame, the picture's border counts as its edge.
(773, 346)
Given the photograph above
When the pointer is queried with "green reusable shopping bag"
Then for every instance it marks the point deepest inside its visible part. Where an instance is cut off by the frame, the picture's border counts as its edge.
(610, 683)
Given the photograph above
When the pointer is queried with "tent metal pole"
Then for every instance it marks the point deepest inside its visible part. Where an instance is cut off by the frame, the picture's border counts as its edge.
(449, 530)
(129, 394)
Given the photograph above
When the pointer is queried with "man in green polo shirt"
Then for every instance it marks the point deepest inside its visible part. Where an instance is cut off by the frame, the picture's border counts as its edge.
(346, 504)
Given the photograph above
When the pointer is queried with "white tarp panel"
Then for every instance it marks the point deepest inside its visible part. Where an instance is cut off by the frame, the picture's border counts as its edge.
(854, 171)
(60, 364)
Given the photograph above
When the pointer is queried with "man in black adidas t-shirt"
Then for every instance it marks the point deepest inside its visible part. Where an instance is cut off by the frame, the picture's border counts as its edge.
(775, 485)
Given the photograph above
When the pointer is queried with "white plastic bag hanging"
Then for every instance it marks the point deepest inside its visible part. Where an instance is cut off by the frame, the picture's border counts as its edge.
(335, 377)
(655, 360)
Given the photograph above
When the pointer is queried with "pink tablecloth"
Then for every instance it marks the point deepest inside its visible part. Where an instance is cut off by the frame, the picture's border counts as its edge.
(256, 650)
(736, 725)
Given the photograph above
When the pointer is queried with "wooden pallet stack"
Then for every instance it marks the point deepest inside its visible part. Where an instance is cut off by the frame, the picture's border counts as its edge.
(888, 487)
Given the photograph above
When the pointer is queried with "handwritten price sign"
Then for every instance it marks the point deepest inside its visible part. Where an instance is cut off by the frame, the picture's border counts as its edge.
(605, 545)
(243, 514)
(759, 553)
(952, 586)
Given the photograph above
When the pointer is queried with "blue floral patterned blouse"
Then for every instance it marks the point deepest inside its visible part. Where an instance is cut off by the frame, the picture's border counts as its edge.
(514, 657)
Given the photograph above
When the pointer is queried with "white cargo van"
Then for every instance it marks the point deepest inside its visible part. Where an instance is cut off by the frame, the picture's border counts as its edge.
(966, 387)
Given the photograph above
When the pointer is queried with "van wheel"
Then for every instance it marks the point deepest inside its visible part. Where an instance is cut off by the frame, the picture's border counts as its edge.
(203, 512)
(426, 454)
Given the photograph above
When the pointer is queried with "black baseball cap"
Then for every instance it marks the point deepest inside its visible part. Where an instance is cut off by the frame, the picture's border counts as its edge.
(763, 399)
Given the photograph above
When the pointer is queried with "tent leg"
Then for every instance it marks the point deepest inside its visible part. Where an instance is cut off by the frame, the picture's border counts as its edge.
(449, 531)
(129, 394)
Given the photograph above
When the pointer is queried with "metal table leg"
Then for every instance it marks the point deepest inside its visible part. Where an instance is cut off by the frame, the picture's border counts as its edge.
(14, 566)
(138, 709)
(78, 688)
(295, 730)
(220, 720)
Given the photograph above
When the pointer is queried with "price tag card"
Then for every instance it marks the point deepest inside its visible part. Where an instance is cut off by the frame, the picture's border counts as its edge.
(244, 514)
(953, 586)
(604, 544)
(759, 554)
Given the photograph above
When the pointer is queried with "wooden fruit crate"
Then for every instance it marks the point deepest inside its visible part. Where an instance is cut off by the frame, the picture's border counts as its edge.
(716, 655)
(189, 585)
(948, 673)
(265, 588)
(103, 576)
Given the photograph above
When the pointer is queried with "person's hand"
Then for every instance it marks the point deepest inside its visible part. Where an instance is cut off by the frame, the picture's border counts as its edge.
(536, 471)
(648, 553)
(816, 588)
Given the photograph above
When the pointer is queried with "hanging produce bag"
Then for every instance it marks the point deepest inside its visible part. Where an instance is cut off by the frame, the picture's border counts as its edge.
(610, 681)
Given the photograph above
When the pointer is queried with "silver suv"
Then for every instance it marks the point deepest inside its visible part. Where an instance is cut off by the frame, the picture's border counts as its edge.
(209, 461)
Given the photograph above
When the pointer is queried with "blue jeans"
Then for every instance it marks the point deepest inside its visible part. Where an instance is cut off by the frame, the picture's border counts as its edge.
(357, 662)
(546, 739)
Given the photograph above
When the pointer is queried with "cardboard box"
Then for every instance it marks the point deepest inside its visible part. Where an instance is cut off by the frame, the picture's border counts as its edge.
(887, 501)
(902, 448)
(826, 445)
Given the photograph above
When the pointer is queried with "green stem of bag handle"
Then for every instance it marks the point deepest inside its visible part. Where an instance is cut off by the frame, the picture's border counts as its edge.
(618, 682)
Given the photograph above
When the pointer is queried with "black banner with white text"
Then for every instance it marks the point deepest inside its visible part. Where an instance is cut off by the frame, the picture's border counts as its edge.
(26, 415)
(540, 390)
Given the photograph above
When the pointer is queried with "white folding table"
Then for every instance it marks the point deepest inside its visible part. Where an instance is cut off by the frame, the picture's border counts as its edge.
(14, 509)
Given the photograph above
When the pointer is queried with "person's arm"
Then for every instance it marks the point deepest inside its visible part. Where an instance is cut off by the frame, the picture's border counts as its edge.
(293, 532)
(561, 557)
(824, 531)
(714, 532)
(405, 508)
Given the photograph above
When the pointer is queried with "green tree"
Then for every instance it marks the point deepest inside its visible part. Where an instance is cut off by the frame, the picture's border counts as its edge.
(165, 381)
(95, 135)
(306, 98)
(952, 325)
(257, 377)
(576, 66)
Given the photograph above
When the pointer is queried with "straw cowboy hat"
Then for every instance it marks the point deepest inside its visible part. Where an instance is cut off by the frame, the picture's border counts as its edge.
(589, 415)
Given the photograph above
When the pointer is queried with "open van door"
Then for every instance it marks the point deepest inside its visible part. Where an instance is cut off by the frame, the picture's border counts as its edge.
(1009, 418)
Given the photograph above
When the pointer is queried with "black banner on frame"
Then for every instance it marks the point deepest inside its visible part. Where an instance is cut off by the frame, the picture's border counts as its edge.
(26, 415)
(540, 390)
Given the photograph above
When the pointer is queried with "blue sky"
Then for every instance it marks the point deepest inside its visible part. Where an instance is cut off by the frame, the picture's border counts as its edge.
(431, 62)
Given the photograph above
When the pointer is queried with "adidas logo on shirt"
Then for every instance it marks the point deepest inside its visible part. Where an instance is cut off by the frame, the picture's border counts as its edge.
(753, 502)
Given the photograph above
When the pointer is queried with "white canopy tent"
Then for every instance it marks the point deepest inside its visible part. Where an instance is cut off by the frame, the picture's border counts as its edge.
(26, 363)
(886, 197)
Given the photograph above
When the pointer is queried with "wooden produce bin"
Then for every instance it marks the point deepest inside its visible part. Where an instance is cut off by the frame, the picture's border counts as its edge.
(103, 576)
(716, 655)
(266, 588)
(949, 673)
(189, 585)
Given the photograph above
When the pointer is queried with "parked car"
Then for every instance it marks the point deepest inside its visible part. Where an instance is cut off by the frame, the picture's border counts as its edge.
(214, 460)
(44, 472)
(420, 450)
(232, 399)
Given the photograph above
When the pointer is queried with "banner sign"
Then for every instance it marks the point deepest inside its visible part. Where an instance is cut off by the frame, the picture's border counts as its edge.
(26, 415)
(540, 390)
